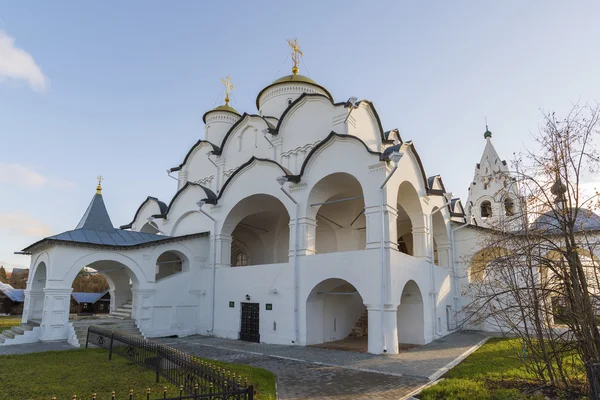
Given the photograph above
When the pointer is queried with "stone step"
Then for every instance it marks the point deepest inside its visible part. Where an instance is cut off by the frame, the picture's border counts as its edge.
(19, 330)
(3, 338)
(120, 312)
(9, 334)
(128, 306)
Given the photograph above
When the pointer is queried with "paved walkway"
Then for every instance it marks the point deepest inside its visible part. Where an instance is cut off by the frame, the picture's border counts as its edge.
(314, 373)
(34, 348)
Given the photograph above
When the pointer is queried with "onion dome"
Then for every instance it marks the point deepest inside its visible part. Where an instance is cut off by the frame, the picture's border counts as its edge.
(488, 133)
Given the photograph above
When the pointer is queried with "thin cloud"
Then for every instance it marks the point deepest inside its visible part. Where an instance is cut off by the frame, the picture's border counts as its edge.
(17, 64)
(19, 223)
(24, 176)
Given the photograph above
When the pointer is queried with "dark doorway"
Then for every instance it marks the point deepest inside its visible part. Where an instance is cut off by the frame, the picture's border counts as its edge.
(249, 329)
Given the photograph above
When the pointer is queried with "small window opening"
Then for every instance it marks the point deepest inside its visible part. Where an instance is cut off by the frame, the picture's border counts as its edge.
(289, 101)
(486, 209)
(509, 207)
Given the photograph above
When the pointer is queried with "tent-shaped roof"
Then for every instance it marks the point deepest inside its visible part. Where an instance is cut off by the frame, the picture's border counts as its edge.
(96, 228)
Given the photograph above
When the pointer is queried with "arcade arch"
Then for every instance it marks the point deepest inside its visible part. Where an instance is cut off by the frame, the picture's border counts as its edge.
(259, 230)
(335, 311)
(409, 221)
(411, 315)
(336, 203)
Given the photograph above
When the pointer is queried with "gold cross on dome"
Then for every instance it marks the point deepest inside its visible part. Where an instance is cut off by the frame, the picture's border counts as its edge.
(296, 54)
(99, 187)
(228, 88)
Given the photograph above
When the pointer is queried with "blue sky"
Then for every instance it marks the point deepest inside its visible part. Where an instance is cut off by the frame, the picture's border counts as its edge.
(119, 88)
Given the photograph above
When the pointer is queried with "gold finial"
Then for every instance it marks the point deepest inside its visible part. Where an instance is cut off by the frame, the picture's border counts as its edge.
(296, 54)
(99, 187)
(228, 88)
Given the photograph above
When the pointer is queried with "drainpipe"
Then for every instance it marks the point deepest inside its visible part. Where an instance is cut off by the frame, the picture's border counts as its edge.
(214, 264)
(395, 158)
(282, 180)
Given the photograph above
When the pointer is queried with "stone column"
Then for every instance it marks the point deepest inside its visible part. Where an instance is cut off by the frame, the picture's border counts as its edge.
(444, 255)
(223, 243)
(374, 231)
(307, 236)
(142, 308)
(389, 330)
(421, 242)
(55, 318)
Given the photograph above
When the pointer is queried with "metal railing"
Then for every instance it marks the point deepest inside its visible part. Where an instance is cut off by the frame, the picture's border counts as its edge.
(196, 379)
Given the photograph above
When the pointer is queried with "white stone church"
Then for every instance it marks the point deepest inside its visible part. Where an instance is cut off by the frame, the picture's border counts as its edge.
(302, 222)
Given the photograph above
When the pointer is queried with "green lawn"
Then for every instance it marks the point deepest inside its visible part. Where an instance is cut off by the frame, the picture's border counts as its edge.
(86, 371)
(493, 372)
(7, 322)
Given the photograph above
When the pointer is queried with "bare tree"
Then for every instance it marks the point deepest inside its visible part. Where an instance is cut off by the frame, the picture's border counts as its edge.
(538, 276)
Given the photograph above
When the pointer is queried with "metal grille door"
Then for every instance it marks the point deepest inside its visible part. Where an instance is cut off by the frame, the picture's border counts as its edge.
(249, 328)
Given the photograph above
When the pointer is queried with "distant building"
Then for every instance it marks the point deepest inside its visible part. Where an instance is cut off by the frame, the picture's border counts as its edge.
(11, 300)
(90, 303)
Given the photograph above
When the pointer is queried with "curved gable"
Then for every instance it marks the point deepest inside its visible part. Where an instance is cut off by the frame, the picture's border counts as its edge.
(199, 168)
(306, 122)
(210, 196)
(247, 165)
(194, 148)
(364, 122)
(148, 207)
(243, 141)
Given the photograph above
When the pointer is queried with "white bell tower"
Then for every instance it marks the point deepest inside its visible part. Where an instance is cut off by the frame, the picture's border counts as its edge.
(493, 194)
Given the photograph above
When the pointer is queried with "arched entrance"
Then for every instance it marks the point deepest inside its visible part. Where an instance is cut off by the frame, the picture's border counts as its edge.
(410, 226)
(441, 239)
(259, 229)
(34, 310)
(410, 315)
(335, 312)
(336, 204)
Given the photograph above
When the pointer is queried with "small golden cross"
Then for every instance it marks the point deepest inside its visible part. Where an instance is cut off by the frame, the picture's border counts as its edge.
(228, 88)
(99, 187)
(296, 54)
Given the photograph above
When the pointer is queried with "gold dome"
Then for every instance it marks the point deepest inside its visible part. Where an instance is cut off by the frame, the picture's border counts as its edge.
(224, 107)
(294, 78)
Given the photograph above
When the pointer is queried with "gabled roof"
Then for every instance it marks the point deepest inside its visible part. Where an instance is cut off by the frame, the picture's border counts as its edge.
(84, 297)
(16, 295)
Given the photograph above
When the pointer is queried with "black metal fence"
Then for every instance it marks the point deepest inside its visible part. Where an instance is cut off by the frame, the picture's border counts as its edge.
(196, 379)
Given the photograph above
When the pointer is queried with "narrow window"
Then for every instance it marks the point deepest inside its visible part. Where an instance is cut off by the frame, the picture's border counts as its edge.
(509, 207)
(486, 209)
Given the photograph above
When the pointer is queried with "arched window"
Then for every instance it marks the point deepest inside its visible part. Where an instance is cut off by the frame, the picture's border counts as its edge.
(509, 207)
(486, 209)
(239, 254)
(169, 263)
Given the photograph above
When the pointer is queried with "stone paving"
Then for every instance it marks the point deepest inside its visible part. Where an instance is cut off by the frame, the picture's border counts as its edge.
(314, 373)
(35, 348)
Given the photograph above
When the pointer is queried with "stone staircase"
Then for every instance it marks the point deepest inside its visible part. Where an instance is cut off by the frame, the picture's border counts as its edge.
(126, 326)
(16, 331)
(123, 312)
(361, 328)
